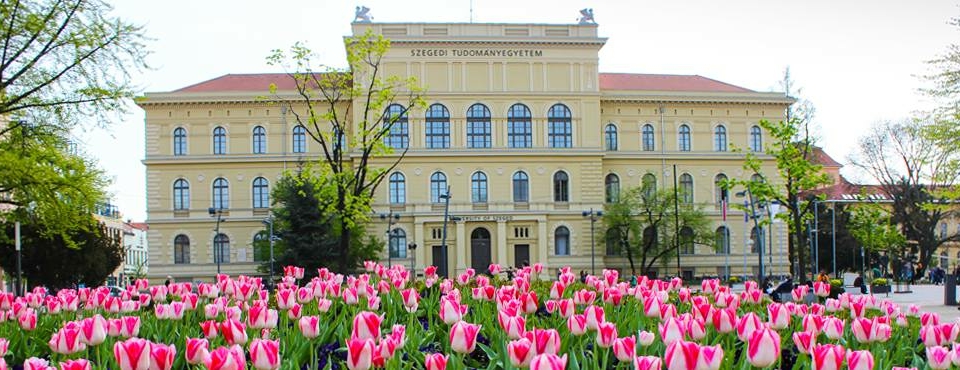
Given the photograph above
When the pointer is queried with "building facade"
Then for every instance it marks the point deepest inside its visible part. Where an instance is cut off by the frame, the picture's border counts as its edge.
(521, 126)
(136, 261)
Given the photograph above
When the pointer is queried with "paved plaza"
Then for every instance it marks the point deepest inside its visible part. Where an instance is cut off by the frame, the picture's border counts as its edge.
(928, 297)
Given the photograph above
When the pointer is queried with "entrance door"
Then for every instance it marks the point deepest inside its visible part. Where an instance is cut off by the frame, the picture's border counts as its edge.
(439, 261)
(521, 255)
(480, 250)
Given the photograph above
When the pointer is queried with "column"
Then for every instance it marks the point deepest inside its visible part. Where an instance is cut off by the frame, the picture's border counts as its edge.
(502, 243)
(461, 248)
(422, 247)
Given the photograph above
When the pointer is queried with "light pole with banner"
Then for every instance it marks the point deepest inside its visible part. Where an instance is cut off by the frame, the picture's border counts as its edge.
(218, 212)
(391, 219)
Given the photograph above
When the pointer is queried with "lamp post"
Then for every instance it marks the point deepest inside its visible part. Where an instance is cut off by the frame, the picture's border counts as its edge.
(756, 223)
(218, 212)
(16, 231)
(773, 209)
(412, 247)
(391, 219)
(594, 216)
(269, 222)
(446, 217)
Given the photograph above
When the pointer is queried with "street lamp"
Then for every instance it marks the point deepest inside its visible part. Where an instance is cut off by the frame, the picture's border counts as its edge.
(412, 247)
(594, 216)
(773, 209)
(756, 223)
(218, 212)
(391, 219)
(446, 217)
(269, 222)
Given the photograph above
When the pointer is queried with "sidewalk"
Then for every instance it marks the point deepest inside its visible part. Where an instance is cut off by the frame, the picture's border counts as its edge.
(928, 297)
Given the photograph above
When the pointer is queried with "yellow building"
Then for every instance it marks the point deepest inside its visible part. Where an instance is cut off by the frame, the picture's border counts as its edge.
(521, 125)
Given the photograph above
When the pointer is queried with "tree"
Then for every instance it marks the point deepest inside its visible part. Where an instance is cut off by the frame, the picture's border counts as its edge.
(305, 219)
(47, 260)
(341, 108)
(791, 145)
(43, 180)
(62, 61)
(912, 170)
(872, 225)
(642, 224)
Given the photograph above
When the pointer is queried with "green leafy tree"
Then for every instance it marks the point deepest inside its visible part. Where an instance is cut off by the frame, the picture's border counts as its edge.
(62, 61)
(872, 226)
(345, 112)
(913, 171)
(642, 226)
(308, 225)
(791, 143)
(42, 179)
(47, 260)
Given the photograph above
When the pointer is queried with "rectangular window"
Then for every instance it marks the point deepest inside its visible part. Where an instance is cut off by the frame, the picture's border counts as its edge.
(561, 135)
(438, 135)
(519, 134)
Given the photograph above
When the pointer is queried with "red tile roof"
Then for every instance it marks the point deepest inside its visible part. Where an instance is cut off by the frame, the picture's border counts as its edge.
(657, 82)
(819, 156)
(846, 190)
(256, 82)
(260, 82)
(139, 225)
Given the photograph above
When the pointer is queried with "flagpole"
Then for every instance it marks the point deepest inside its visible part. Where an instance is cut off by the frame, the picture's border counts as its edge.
(746, 238)
(726, 240)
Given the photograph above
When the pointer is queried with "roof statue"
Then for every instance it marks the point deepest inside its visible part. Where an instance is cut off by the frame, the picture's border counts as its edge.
(362, 15)
(587, 16)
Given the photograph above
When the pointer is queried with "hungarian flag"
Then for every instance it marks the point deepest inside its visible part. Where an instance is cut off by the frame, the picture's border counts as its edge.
(723, 207)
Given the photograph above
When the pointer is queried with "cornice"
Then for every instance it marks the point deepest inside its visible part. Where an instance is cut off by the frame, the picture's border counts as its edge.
(695, 97)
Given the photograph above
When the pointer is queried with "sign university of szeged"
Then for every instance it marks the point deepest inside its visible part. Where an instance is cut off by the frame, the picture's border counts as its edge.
(494, 53)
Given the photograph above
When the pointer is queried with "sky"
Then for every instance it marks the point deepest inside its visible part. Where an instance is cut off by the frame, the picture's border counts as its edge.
(857, 61)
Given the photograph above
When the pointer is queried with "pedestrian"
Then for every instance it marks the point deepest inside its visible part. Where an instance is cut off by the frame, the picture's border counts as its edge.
(167, 283)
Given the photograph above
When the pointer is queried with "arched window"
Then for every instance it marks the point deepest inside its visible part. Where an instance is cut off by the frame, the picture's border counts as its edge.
(720, 193)
(614, 241)
(519, 127)
(756, 178)
(650, 238)
(683, 138)
(559, 127)
(649, 185)
(221, 247)
(521, 187)
(398, 188)
(686, 240)
(722, 241)
(437, 127)
(649, 140)
(396, 119)
(219, 140)
(561, 187)
(686, 188)
(261, 193)
(181, 249)
(610, 137)
(612, 185)
(756, 139)
(754, 240)
(561, 241)
(299, 139)
(179, 141)
(478, 186)
(259, 140)
(720, 139)
(943, 230)
(221, 193)
(478, 126)
(398, 243)
(181, 195)
(261, 247)
(438, 186)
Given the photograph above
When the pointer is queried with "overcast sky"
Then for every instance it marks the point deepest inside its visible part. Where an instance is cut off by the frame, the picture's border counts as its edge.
(857, 61)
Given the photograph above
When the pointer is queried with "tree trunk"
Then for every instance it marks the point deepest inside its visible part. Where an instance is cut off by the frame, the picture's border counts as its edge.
(633, 268)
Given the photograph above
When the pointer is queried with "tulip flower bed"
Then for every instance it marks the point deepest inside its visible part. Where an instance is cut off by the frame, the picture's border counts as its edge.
(383, 319)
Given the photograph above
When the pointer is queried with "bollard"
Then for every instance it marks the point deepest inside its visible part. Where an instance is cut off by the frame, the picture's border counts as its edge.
(950, 290)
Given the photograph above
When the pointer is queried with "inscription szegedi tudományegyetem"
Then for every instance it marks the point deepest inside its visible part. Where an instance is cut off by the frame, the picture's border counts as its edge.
(501, 53)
